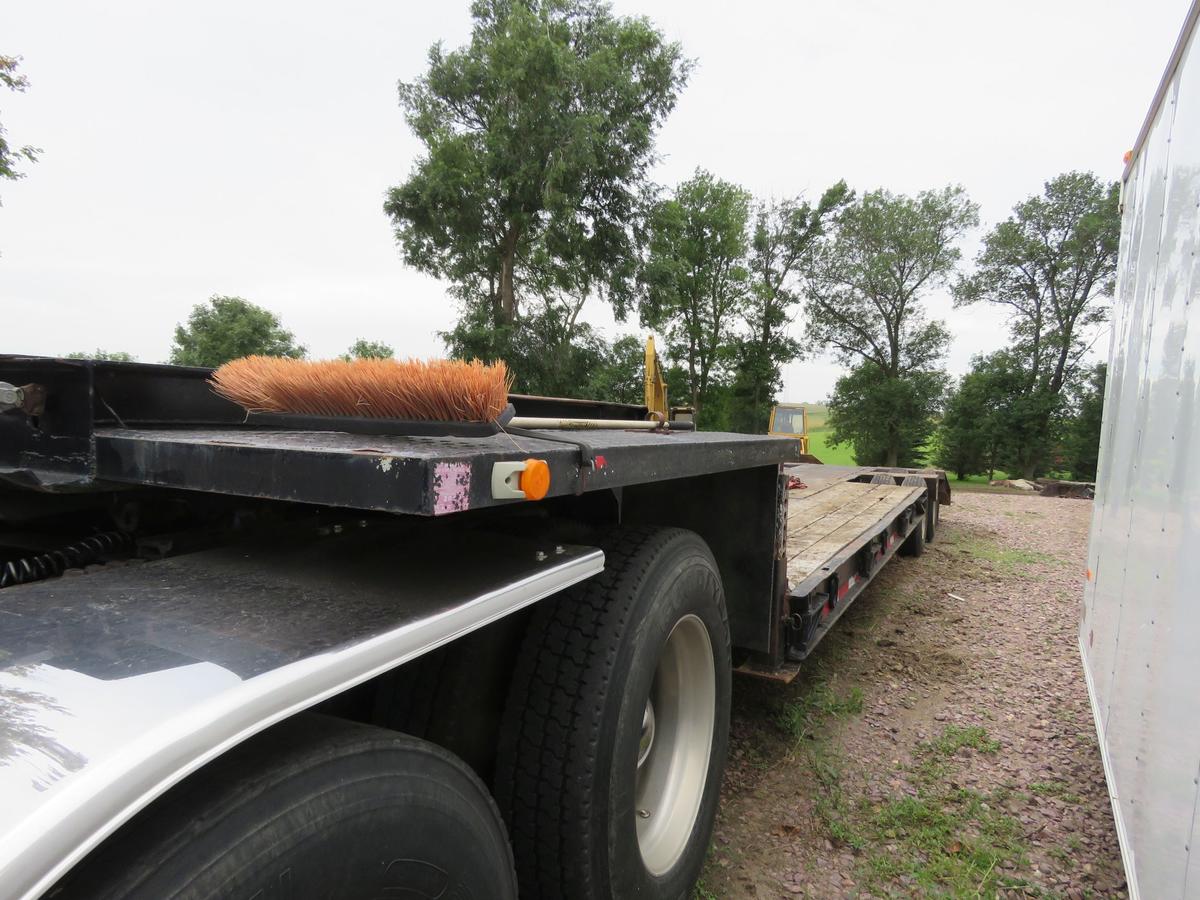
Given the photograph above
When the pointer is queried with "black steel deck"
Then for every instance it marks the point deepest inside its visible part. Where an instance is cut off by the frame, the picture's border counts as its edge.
(420, 475)
(106, 424)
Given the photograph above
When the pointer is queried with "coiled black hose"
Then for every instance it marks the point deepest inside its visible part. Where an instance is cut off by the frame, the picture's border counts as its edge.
(72, 556)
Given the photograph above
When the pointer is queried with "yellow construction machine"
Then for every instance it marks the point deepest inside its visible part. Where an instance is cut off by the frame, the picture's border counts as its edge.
(787, 419)
(657, 402)
(791, 420)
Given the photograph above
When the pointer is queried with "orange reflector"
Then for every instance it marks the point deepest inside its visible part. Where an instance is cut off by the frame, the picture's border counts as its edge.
(535, 480)
(1128, 156)
(1089, 574)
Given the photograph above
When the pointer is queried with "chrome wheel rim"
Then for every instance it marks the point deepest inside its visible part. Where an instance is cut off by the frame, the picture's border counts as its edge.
(675, 745)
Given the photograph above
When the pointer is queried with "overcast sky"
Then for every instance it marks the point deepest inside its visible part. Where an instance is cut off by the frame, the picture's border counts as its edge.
(245, 148)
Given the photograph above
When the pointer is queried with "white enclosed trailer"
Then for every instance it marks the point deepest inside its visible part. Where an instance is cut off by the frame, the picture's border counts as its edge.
(1140, 634)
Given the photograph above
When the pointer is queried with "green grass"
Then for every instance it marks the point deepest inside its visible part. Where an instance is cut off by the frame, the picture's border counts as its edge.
(841, 816)
(1054, 789)
(801, 717)
(976, 480)
(946, 842)
(950, 843)
(818, 446)
(819, 435)
(955, 737)
(1010, 560)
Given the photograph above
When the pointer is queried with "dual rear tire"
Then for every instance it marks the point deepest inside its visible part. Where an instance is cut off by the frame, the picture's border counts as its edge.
(315, 807)
(616, 734)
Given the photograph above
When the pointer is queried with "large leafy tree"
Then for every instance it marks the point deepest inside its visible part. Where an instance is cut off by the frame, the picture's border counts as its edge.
(864, 300)
(11, 157)
(1051, 266)
(226, 328)
(981, 422)
(365, 349)
(538, 136)
(785, 233)
(1083, 432)
(621, 376)
(544, 356)
(887, 420)
(696, 281)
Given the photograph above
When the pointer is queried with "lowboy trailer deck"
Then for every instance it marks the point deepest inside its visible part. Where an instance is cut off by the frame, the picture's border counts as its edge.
(331, 660)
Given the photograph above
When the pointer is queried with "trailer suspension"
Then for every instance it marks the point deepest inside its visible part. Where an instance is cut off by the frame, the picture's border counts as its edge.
(73, 556)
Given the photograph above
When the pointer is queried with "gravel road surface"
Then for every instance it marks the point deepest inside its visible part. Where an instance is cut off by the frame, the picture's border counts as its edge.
(940, 741)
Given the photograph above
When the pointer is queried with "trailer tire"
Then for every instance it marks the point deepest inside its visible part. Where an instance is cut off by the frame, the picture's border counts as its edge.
(931, 521)
(454, 696)
(315, 807)
(619, 703)
(914, 544)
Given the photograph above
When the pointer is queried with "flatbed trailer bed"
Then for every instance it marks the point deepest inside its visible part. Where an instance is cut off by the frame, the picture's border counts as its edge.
(844, 523)
(279, 568)
(823, 523)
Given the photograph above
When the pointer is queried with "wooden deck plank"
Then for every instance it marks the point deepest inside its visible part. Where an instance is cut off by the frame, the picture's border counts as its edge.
(806, 508)
(822, 512)
(825, 522)
(869, 509)
(818, 553)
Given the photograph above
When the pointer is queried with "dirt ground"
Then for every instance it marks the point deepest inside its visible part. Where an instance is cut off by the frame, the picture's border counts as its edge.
(939, 742)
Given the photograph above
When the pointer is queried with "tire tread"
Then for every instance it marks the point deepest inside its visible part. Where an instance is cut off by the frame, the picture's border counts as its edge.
(569, 654)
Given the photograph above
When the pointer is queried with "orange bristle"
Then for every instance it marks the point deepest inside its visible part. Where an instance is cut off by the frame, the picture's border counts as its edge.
(440, 390)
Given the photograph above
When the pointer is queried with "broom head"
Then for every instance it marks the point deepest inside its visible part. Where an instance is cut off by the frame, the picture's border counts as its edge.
(440, 390)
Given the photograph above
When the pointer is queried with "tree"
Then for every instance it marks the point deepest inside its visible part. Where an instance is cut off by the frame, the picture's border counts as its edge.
(11, 157)
(112, 356)
(621, 375)
(695, 278)
(364, 349)
(980, 424)
(542, 355)
(863, 299)
(784, 234)
(1083, 433)
(1051, 266)
(226, 328)
(539, 135)
(962, 438)
(887, 420)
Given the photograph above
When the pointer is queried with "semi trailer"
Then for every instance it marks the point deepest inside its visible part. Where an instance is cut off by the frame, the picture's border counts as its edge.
(1140, 622)
(316, 658)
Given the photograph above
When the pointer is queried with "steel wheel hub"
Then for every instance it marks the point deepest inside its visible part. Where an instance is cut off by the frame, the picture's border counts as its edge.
(675, 745)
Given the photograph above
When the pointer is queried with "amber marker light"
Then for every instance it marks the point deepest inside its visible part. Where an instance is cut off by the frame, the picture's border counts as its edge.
(535, 480)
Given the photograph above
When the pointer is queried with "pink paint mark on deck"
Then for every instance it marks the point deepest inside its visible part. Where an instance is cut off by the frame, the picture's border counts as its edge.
(451, 488)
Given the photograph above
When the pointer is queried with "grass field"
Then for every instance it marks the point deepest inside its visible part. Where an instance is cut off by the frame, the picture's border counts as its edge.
(818, 438)
(843, 454)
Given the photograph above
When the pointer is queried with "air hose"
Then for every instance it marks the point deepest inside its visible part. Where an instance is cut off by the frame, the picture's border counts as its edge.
(73, 556)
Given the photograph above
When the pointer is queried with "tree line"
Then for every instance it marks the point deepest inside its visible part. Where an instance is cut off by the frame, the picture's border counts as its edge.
(532, 198)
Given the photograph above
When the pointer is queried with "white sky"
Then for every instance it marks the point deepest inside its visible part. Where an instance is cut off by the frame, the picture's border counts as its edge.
(245, 148)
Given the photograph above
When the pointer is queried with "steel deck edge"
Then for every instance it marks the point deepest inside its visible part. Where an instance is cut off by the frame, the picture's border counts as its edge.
(385, 479)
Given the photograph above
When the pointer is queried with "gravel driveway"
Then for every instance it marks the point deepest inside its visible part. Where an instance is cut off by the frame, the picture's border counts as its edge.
(939, 742)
